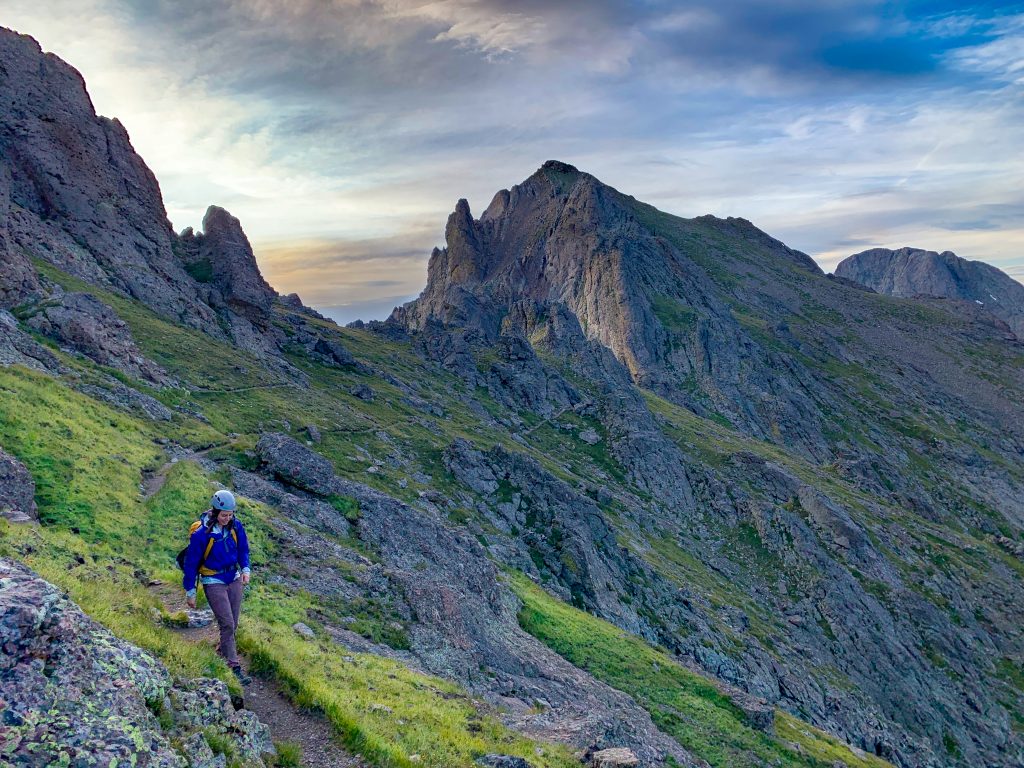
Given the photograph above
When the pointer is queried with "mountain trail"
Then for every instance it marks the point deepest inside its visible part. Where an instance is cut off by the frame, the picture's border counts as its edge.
(153, 481)
(265, 697)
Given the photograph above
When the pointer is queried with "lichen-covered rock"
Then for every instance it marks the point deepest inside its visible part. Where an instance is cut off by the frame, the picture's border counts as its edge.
(17, 490)
(616, 757)
(72, 693)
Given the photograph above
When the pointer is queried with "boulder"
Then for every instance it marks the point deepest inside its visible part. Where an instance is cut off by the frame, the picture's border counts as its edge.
(332, 353)
(17, 490)
(363, 392)
(616, 757)
(502, 761)
(295, 464)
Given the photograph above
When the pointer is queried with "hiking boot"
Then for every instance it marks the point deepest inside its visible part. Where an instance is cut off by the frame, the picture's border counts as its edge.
(243, 678)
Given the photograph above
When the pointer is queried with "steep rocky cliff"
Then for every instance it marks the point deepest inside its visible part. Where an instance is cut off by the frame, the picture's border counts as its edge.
(916, 272)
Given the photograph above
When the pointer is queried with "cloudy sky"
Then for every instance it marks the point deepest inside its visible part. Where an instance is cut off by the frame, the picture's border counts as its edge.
(341, 132)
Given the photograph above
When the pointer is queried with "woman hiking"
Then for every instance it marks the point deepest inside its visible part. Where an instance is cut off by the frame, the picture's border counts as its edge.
(218, 554)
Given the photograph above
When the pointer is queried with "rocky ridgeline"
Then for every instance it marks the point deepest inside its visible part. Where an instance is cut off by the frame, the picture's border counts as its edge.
(564, 242)
(74, 193)
(73, 694)
(914, 272)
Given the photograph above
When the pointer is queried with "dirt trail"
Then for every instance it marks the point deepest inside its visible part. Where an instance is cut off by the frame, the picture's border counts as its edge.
(153, 481)
(264, 696)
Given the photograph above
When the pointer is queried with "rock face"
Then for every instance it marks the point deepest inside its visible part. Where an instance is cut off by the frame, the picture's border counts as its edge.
(74, 193)
(562, 239)
(916, 272)
(90, 327)
(17, 490)
(71, 691)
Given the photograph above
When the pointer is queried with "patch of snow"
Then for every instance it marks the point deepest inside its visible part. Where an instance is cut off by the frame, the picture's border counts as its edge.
(979, 302)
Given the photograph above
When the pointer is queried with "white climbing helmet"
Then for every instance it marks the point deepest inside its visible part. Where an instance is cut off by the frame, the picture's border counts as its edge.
(223, 500)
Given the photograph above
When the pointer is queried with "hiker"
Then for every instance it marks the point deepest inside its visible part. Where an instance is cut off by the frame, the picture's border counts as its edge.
(218, 553)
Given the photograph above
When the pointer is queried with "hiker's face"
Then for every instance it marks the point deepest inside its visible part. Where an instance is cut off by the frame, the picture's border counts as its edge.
(224, 517)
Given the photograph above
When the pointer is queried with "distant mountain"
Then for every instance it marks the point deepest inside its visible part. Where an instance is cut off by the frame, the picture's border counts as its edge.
(916, 272)
(615, 480)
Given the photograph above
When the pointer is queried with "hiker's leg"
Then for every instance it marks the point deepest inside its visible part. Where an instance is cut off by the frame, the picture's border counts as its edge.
(220, 604)
(235, 595)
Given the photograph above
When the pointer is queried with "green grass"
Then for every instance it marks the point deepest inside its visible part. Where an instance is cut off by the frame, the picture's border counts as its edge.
(687, 706)
(385, 712)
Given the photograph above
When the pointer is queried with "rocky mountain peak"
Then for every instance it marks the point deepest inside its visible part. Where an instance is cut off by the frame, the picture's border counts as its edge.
(74, 192)
(234, 266)
(912, 272)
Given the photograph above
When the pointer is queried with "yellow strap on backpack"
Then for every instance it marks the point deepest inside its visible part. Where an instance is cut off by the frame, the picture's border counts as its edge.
(203, 570)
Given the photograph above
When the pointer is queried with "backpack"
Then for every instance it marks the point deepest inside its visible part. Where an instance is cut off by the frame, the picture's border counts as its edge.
(180, 559)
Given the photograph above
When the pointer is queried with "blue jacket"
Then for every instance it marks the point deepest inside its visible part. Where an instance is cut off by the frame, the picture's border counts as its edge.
(226, 558)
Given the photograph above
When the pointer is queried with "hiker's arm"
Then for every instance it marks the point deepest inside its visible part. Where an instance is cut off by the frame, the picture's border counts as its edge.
(192, 556)
(243, 554)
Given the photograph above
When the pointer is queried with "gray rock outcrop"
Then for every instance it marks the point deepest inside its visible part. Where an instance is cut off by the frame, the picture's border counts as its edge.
(81, 322)
(914, 272)
(295, 464)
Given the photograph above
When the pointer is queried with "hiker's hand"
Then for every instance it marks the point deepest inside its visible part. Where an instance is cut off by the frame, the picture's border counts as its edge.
(190, 602)
(245, 579)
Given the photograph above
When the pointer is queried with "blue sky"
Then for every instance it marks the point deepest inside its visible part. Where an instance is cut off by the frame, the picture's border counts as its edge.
(341, 132)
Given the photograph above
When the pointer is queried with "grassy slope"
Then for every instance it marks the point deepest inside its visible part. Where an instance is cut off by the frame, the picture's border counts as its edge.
(682, 703)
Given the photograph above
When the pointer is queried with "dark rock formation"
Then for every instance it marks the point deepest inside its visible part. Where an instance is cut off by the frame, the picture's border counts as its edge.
(70, 688)
(916, 272)
(295, 464)
(18, 348)
(76, 194)
(17, 490)
(632, 279)
(235, 272)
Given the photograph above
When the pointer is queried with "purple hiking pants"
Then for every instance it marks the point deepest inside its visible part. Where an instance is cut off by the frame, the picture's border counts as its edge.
(226, 603)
